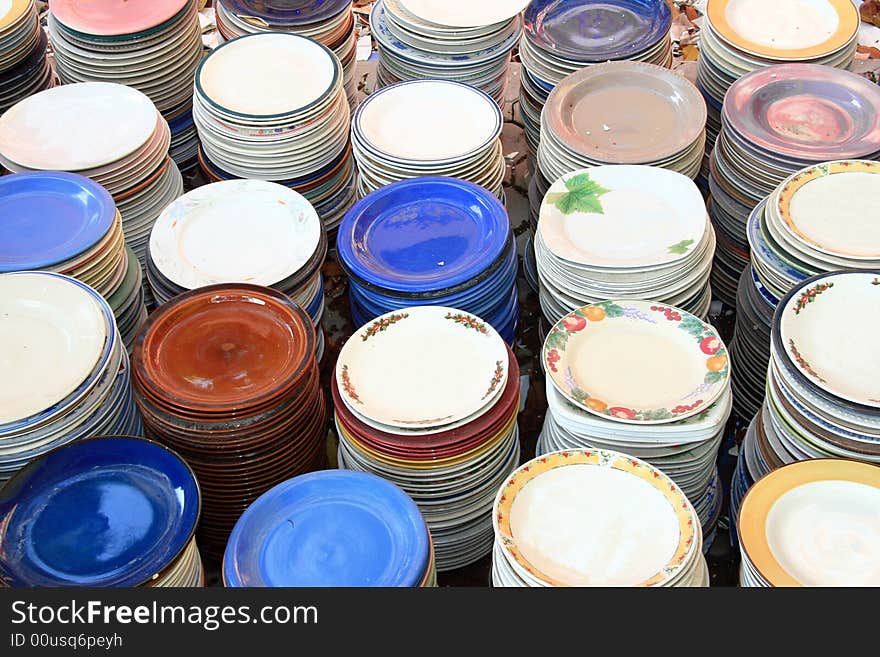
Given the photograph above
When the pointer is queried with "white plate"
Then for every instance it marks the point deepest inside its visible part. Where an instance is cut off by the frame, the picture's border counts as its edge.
(243, 231)
(464, 13)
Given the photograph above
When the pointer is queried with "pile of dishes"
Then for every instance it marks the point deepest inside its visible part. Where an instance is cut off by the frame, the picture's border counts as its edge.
(352, 529)
(428, 398)
(775, 122)
(560, 38)
(107, 132)
(331, 23)
(66, 223)
(431, 241)
(288, 122)
(464, 42)
(226, 375)
(602, 394)
(201, 240)
(733, 43)
(425, 128)
(623, 232)
(71, 369)
(594, 518)
(104, 512)
(751, 344)
(24, 68)
(812, 524)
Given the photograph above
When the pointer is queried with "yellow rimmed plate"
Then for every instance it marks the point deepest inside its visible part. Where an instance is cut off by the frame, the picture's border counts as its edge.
(787, 29)
(595, 517)
(814, 523)
(12, 10)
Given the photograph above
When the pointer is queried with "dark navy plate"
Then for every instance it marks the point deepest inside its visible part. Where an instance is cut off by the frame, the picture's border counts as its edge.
(100, 512)
(47, 217)
(423, 234)
(334, 528)
(597, 31)
(288, 12)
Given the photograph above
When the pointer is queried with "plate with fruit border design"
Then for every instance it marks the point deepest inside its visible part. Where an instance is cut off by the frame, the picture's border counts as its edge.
(636, 362)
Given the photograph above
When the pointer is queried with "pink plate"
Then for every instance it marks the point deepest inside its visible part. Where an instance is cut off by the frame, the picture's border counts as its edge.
(114, 17)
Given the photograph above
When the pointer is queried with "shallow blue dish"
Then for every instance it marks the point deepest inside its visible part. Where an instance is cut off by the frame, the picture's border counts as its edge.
(100, 512)
(288, 13)
(331, 528)
(47, 217)
(596, 31)
(423, 234)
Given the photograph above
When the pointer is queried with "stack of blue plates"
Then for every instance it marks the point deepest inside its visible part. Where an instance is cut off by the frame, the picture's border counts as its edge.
(114, 511)
(431, 241)
(184, 149)
(334, 528)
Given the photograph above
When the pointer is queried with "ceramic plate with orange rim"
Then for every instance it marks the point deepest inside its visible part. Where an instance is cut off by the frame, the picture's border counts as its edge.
(814, 523)
(787, 29)
(595, 518)
(12, 10)
(636, 361)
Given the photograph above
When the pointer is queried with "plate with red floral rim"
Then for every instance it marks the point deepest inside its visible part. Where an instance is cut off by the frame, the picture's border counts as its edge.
(828, 328)
(422, 367)
(637, 362)
(595, 518)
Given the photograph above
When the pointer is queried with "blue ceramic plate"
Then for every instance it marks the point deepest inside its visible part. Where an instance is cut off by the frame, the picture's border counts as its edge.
(98, 512)
(332, 528)
(423, 234)
(288, 13)
(47, 217)
(597, 31)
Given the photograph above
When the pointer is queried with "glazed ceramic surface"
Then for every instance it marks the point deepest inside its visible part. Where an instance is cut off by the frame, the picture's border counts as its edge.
(459, 13)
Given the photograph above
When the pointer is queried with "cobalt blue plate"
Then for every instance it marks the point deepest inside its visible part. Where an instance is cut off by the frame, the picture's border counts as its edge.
(596, 31)
(423, 234)
(334, 528)
(288, 13)
(47, 217)
(100, 512)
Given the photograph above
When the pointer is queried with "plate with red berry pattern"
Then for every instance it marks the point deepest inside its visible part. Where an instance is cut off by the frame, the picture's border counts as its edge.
(636, 361)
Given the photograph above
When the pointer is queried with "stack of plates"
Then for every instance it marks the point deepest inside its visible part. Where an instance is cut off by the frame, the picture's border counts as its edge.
(67, 369)
(464, 42)
(153, 46)
(288, 122)
(594, 518)
(66, 223)
(201, 240)
(331, 23)
(623, 232)
(107, 132)
(812, 524)
(110, 511)
(352, 529)
(733, 43)
(24, 68)
(425, 128)
(775, 122)
(431, 241)
(184, 148)
(428, 398)
(226, 375)
(560, 38)
(751, 345)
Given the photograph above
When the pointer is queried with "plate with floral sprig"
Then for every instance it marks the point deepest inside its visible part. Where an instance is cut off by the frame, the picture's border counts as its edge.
(636, 362)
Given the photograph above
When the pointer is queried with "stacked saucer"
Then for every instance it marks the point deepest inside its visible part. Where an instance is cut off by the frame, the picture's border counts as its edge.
(352, 530)
(65, 223)
(226, 375)
(331, 23)
(594, 518)
(107, 132)
(623, 232)
(440, 422)
(463, 42)
(431, 241)
(428, 128)
(560, 38)
(184, 149)
(750, 347)
(67, 371)
(103, 512)
(200, 240)
(24, 68)
(288, 122)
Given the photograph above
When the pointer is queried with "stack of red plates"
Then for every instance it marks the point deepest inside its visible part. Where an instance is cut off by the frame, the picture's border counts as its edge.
(226, 375)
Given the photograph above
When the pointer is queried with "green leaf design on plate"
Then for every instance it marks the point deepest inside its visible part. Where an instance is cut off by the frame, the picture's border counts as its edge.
(611, 309)
(681, 248)
(582, 196)
(714, 377)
